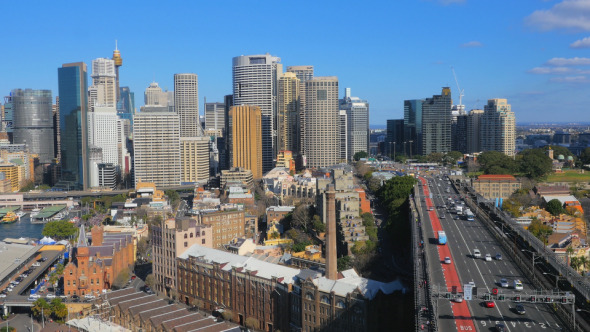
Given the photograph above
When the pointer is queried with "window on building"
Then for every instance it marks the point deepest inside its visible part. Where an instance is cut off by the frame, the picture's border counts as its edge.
(203, 241)
(185, 244)
(325, 299)
(341, 304)
(71, 272)
(191, 235)
(185, 235)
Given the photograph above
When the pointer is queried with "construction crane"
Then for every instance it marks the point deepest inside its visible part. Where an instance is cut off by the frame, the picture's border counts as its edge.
(461, 94)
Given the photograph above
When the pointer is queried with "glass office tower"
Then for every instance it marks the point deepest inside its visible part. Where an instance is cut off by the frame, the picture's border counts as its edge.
(73, 107)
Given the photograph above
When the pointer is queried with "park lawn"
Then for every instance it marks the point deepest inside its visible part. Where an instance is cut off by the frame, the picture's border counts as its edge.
(569, 176)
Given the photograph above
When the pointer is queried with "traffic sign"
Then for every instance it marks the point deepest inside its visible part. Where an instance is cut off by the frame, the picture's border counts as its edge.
(467, 295)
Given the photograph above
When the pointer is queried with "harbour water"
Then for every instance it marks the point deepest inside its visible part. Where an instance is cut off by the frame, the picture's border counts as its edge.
(22, 228)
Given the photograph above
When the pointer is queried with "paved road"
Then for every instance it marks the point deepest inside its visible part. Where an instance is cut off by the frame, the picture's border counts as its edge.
(464, 236)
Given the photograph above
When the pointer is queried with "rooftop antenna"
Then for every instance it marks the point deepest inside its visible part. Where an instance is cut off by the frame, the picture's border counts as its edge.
(461, 94)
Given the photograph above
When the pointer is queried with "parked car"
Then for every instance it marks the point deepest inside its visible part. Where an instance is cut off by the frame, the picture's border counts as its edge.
(50, 296)
(35, 296)
(36, 264)
(89, 297)
(2, 295)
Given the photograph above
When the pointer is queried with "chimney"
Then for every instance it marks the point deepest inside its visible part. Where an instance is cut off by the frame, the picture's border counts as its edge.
(331, 253)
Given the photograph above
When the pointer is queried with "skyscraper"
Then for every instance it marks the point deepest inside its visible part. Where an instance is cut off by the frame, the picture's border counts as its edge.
(322, 135)
(104, 90)
(8, 116)
(194, 159)
(395, 137)
(156, 144)
(460, 138)
(186, 103)
(73, 108)
(155, 96)
(255, 84)
(288, 113)
(498, 127)
(33, 122)
(245, 136)
(412, 127)
(103, 132)
(473, 129)
(436, 123)
(357, 111)
(215, 117)
(304, 74)
(343, 129)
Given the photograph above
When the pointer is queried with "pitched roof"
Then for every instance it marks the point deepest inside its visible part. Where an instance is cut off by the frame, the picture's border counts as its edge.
(82, 240)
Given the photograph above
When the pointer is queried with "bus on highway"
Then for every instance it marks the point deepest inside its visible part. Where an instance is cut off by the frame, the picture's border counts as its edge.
(442, 237)
(469, 215)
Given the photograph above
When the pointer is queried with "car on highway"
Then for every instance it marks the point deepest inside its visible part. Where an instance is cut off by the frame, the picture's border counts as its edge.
(447, 260)
(488, 258)
(498, 257)
(442, 216)
(490, 304)
(500, 327)
(50, 296)
(520, 309)
(504, 283)
(476, 253)
(517, 285)
(458, 299)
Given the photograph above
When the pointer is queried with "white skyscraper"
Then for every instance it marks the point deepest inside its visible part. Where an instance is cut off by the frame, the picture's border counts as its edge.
(103, 132)
(156, 144)
(186, 103)
(155, 96)
(255, 84)
(497, 128)
(357, 112)
(103, 91)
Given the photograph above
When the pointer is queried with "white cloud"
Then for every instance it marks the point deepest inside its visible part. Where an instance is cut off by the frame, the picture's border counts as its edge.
(550, 70)
(568, 14)
(581, 43)
(568, 62)
(472, 44)
(570, 79)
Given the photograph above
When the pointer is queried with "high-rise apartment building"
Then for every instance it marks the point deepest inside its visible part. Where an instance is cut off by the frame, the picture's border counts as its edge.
(255, 84)
(322, 135)
(460, 138)
(8, 116)
(304, 74)
(497, 129)
(186, 103)
(156, 144)
(245, 136)
(288, 113)
(56, 130)
(436, 123)
(104, 88)
(194, 155)
(357, 111)
(33, 122)
(73, 109)
(473, 129)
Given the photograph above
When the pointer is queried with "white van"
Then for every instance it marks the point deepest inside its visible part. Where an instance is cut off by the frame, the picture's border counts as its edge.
(476, 253)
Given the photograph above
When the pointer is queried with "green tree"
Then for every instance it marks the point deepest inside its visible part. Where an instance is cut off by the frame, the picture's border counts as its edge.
(7, 329)
(540, 230)
(435, 157)
(585, 156)
(359, 155)
(554, 207)
(452, 157)
(534, 163)
(60, 229)
(512, 207)
(142, 247)
(58, 309)
(41, 307)
(173, 196)
(319, 226)
(494, 162)
(298, 247)
(121, 279)
(150, 280)
(344, 263)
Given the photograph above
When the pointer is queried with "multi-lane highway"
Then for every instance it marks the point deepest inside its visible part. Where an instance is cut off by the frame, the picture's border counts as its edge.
(463, 237)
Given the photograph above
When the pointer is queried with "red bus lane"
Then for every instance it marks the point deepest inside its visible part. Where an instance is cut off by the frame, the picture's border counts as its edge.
(461, 311)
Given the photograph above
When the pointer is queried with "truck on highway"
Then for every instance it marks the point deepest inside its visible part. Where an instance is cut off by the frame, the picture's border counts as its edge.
(442, 237)
(459, 209)
(469, 215)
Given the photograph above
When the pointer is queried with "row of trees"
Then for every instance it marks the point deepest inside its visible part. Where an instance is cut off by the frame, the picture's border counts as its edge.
(531, 163)
(55, 309)
(393, 196)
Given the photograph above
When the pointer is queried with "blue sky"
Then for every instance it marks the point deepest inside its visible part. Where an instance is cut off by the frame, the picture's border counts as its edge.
(532, 52)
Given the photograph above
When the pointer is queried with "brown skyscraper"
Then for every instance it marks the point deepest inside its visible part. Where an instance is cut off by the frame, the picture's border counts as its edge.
(331, 253)
(246, 138)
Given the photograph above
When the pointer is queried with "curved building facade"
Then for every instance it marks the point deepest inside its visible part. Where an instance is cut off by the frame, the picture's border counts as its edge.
(33, 122)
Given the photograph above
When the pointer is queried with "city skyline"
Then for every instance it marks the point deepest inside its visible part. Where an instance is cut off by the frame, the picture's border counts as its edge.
(532, 54)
